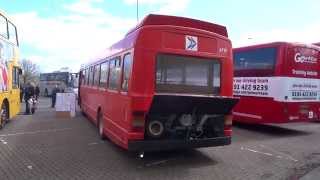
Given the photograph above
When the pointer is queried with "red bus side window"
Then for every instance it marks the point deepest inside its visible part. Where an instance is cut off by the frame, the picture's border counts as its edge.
(84, 77)
(104, 74)
(96, 75)
(114, 76)
(87, 76)
(91, 74)
(127, 63)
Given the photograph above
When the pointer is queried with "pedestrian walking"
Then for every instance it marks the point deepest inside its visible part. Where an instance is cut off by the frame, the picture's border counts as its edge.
(37, 92)
(28, 93)
(54, 96)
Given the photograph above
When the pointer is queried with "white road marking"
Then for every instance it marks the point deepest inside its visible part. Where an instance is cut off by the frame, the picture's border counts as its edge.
(29, 167)
(255, 151)
(3, 141)
(287, 156)
(35, 132)
(95, 143)
(269, 154)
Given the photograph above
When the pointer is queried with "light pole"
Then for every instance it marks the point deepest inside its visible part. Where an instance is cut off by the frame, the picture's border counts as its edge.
(137, 11)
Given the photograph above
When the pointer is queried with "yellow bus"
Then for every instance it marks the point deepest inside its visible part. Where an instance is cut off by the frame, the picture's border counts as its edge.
(10, 70)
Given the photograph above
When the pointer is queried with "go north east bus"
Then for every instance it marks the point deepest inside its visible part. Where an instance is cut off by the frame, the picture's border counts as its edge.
(10, 70)
(277, 83)
(64, 80)
(167, 84)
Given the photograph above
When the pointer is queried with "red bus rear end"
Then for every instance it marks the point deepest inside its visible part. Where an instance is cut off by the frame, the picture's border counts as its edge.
(166, 85)
(277, 83)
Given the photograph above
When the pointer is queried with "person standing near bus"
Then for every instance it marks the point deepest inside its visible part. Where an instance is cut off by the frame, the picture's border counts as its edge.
(21, 93)
(28, 93)
(37, 92)
(54, 95)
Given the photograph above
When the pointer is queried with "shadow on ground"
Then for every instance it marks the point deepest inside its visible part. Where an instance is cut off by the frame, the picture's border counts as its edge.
(272, 130)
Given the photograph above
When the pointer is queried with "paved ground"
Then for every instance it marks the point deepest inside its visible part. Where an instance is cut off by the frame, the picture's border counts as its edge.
(45, 147)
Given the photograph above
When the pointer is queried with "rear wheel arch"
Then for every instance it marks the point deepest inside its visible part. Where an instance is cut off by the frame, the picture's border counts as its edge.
(4, 117)
(99, 114)
(100, 123)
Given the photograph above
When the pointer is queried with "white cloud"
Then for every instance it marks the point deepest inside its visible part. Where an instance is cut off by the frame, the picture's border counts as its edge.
(69, 40)
(306, 34)
(73, 38)
(163, 6)
(84, 7)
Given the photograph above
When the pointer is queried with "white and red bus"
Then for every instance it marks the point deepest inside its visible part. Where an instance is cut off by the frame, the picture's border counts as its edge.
(277, 83)
(167, 84)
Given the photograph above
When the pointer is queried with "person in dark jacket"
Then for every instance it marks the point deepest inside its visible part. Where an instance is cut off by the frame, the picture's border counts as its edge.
(28, 93)
(37, 92)
(55, 90)
(21, 93)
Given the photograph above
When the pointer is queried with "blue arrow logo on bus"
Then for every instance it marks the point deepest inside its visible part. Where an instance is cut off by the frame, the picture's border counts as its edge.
(191, 43)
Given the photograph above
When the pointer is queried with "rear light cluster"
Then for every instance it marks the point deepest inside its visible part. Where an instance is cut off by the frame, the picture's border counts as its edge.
(228, 125)
(138, 120)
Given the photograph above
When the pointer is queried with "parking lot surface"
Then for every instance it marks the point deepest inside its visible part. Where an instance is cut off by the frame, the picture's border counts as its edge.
(42, 146)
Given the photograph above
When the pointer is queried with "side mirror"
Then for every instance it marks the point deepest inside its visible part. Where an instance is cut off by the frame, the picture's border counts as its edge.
(20, 72)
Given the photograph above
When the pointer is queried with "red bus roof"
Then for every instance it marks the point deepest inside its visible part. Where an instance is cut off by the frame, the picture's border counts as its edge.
(275, 44)
(153, 19)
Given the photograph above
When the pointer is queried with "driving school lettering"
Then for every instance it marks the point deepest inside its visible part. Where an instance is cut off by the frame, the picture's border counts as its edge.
(284, 89)
(251, 86)
(300, 58)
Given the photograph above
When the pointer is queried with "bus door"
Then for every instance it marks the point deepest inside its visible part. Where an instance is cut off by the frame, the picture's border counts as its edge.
(15, 91)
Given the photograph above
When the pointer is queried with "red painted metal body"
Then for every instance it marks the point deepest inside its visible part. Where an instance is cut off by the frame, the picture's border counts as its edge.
(291, 87)
(156, 34)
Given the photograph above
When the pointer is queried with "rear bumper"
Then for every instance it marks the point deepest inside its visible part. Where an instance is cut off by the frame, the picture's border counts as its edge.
(159, 145)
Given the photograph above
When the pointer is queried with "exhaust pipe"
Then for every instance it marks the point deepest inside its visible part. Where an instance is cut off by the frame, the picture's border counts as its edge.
(155, 129)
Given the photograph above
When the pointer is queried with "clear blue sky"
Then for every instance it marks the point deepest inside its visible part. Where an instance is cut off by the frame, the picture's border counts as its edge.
(66, 33)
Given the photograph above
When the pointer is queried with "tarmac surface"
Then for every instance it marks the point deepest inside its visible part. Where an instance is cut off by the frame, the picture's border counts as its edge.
(42, 146)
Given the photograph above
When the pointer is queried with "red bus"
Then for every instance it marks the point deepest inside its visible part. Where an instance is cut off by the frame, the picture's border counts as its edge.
(167, 84)
(277, 83)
